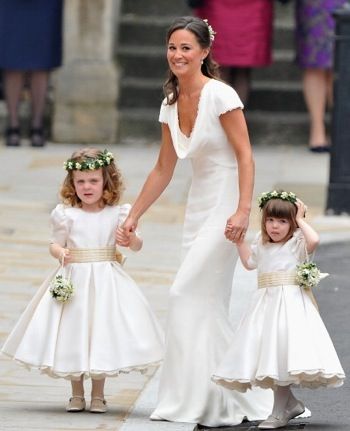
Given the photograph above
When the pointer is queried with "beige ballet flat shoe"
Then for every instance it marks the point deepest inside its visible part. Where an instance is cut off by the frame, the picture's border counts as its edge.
(98, 405)
(273, 422)
(76, 404)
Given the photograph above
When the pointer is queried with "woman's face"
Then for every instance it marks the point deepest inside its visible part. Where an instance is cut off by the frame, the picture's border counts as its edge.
(184, 53)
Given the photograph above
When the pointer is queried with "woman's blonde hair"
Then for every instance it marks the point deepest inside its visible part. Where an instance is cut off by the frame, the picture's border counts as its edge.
(278, 208)
(112, 180)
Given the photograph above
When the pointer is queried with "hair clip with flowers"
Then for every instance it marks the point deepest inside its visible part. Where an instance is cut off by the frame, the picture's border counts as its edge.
(212, 33)
(90, 163)
(276, 194)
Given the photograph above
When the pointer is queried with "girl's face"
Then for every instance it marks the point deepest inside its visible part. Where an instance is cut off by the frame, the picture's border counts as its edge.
(184, 53)
(89, 188)
(277, 228)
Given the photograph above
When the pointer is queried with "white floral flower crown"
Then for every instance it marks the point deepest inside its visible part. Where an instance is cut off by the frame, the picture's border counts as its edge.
(212, 33)
(275, 194)
(90, 163)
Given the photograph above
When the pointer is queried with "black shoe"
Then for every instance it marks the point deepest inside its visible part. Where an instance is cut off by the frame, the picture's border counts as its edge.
(13, 138)
(320, 149)
(37, 137)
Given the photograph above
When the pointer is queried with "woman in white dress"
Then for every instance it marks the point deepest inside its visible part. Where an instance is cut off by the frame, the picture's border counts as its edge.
(107, 327)
(202, 120)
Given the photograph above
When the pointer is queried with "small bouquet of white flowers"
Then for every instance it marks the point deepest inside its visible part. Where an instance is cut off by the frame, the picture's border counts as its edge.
(61, 288)
(308, 275)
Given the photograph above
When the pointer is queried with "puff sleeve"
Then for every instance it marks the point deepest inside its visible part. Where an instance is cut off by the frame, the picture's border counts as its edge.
(225, 99)
(298, 245)
(253, 258)
(59, 225)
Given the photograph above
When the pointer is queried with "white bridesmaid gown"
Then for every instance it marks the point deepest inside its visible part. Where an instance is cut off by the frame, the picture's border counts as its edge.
(198, 327)
(106, 328)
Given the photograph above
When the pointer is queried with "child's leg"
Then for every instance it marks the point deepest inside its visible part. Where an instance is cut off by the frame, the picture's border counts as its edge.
(77, 400)
(98, 402)
(78, 387)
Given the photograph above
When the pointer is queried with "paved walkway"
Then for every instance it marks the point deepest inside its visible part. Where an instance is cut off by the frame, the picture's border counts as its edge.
(29, 183)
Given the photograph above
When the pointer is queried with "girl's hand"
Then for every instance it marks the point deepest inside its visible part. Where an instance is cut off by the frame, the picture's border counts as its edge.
(301, 210)
(65, 257)
(236, 227)
(124, 237)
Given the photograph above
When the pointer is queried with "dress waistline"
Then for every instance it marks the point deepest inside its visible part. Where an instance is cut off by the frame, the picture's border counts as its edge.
(275, 279)
(102, 254)
(271, 279)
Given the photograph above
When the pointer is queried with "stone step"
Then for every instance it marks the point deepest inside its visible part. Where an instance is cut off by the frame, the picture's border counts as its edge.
(150, 62)
(150, 30)
(155, 7)
(264, 126)
(270, 95)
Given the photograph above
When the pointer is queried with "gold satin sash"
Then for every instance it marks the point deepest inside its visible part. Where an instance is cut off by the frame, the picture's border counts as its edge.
(275, 279)
(102, 254)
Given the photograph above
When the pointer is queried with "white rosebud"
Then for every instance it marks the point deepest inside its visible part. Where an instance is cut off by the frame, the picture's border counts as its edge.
(78, 166)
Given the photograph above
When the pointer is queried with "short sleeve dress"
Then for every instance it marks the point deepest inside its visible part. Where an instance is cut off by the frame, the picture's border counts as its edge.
(107, 327)
(198, 329)
(282, 339)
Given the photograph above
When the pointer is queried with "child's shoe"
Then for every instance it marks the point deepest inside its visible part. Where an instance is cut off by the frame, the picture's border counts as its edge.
(76, 404)
(274, 422)
(98, 405)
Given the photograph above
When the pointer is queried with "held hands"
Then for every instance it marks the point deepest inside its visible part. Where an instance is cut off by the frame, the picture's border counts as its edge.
(236, 227)
(126, 235)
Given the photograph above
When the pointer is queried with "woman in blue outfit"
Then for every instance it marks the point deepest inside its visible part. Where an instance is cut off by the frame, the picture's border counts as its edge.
(30, 45)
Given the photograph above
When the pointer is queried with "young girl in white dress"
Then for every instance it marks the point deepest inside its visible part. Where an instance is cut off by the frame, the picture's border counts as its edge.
(281, 341)
(107, 326)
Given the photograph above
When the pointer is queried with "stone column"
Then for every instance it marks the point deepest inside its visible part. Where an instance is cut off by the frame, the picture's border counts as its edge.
(86, 86)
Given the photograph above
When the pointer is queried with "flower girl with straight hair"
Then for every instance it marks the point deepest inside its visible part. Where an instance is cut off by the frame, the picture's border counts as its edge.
(88, 319)
(281, 341)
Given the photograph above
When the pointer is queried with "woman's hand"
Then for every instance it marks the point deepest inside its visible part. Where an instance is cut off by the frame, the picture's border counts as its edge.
(124, 237)
(236, 226)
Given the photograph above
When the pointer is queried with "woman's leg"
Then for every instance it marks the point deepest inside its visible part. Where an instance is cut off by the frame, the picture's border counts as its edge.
(77, 400)
(39, 80)
(316, 90)
(241, 82)
(239, 78)
(13, 87)
(98, 402)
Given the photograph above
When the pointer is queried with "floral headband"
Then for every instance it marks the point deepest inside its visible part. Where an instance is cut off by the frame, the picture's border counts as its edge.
(286, 196)
(212, 33)
(90, 163)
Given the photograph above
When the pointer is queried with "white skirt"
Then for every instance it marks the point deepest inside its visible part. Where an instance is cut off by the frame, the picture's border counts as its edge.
(281, 341)
(106, 328)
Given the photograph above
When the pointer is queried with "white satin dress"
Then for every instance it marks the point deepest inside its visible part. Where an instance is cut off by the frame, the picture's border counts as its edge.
(106, 328)
(198, 327)
(282, 339)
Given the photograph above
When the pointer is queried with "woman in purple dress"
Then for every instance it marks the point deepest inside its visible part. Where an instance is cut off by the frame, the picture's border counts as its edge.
(314, 45)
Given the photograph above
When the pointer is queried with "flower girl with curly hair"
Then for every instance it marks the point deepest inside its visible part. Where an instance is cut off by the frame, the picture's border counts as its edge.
(281, 341)
(89, 318)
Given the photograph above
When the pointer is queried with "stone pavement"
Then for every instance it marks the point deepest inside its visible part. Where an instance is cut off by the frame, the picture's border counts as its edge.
(29, 183)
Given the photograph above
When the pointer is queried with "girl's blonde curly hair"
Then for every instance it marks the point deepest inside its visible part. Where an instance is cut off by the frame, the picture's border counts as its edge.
(112, 180)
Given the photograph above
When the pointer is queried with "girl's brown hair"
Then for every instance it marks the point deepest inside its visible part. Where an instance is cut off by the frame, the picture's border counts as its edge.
(112, 180)
(278, 208)
(209, 67)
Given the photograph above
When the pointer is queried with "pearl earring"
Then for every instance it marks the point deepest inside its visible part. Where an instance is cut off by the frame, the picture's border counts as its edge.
(202, 61)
